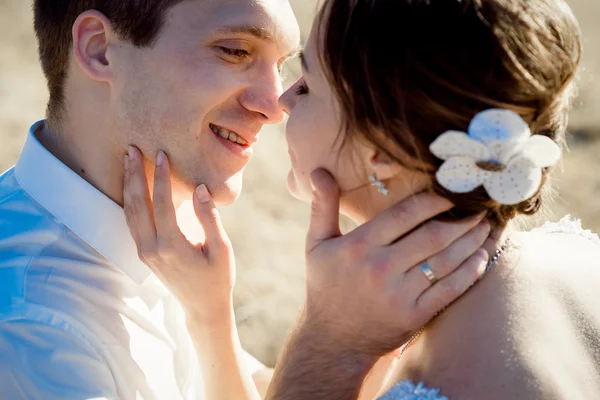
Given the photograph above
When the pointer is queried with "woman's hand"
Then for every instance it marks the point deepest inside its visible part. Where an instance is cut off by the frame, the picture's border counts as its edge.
(200, 276)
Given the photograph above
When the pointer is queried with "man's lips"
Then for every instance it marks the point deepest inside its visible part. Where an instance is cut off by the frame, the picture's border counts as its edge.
(232, 136)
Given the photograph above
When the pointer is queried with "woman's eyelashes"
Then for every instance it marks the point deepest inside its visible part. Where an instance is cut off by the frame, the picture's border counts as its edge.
(301, 89)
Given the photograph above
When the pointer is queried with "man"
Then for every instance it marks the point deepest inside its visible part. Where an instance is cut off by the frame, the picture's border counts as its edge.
(81, 317)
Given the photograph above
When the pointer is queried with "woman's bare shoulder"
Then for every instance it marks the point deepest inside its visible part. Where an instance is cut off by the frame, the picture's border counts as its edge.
(561, 259)
(531, 329)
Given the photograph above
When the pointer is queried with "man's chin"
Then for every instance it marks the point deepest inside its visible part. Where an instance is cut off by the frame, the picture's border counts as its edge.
(226, 200)
(222, 194)
(227, 193)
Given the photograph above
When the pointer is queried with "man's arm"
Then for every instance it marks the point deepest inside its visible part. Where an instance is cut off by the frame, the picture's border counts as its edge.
(314, 367)
(43, 362)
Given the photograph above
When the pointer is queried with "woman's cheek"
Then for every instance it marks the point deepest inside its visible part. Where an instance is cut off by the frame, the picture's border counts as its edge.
(299, 183)
(298, 177)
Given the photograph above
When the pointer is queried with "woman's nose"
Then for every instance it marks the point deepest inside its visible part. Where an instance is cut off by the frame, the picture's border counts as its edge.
(287, 101)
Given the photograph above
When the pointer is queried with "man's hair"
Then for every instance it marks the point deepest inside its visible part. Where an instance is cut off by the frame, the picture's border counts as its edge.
(138, 21)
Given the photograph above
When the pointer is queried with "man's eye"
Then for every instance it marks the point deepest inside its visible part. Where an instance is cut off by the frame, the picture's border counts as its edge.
(239, 53)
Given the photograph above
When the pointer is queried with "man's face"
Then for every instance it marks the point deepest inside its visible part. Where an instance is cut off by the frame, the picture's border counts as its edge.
(213, 71)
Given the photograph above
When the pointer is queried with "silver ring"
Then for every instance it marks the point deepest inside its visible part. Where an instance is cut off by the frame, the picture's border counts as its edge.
(428, 273)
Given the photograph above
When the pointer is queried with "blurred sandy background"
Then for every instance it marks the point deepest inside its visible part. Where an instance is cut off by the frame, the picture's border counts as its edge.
(267, 226)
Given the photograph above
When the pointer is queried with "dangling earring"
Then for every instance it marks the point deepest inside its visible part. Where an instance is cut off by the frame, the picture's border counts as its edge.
(379, 185)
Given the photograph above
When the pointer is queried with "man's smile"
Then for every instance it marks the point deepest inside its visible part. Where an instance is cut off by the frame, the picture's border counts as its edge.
(229, 135)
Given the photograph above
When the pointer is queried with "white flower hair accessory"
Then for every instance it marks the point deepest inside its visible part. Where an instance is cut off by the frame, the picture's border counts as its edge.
(499, 153)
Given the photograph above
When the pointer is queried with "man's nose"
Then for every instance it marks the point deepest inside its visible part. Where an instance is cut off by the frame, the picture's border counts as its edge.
(262, 96)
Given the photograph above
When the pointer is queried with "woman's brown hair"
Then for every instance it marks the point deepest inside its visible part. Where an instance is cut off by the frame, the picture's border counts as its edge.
(413, 69)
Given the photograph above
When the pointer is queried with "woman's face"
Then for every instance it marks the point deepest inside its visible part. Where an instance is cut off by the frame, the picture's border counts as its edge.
(314, 131)
(315, 140)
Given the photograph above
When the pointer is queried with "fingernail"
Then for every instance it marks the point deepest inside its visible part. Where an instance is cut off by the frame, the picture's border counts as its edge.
(485, 224)
(484, 257)
(312, 185)
(126, 161)
(160, 159)
(481, 253)
(131, 153)
(202, 194)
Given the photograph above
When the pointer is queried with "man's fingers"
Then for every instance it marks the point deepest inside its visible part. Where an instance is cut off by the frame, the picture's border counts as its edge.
(449, 259)
(217, 242)
(430, 239)
(453, 286)
(325, 216)
(137, 204)
(164, 210)
(403, 217)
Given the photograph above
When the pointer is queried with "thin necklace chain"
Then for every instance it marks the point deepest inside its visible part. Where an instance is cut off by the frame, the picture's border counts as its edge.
(490, 264)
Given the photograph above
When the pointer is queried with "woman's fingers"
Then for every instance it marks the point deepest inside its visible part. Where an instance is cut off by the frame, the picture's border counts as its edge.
(165, 216)
(137, 203)
(161, 245)
(449, 259)
(395, 222)
(454, 285)
(216, 244)
(430, 239)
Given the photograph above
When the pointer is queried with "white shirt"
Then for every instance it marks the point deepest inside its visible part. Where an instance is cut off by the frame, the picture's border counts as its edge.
(81, 317)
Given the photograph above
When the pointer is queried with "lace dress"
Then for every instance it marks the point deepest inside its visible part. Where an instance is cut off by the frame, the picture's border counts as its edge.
(407, 390)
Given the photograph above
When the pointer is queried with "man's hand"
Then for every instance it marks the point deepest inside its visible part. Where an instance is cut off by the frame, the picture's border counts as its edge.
(366, 291)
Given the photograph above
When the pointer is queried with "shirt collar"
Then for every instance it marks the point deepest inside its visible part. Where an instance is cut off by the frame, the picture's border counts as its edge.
(91, 215)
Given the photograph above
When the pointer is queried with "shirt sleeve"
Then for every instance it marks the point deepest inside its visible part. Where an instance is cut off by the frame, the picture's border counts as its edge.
(43, 362)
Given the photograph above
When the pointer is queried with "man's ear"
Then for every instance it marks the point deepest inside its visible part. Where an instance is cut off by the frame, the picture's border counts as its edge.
(384, 166)
(92, 34)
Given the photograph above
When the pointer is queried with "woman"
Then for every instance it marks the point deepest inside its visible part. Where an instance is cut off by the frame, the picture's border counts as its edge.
(468, 99)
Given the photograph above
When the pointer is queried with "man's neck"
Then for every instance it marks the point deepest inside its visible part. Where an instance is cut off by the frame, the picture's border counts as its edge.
(88, 152)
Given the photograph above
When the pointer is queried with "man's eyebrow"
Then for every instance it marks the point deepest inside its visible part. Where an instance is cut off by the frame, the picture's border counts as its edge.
(250, 30)
(303, 60)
